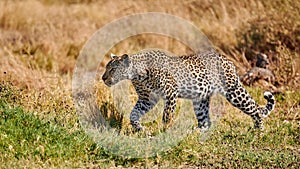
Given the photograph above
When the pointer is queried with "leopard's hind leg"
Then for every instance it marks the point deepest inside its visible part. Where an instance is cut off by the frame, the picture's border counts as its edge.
(240, 98)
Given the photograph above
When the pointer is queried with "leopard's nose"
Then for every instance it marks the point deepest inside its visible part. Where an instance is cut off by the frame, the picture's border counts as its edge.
(104, 78)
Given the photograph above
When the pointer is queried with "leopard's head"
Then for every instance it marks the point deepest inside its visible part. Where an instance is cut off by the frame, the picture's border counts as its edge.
(117, 70)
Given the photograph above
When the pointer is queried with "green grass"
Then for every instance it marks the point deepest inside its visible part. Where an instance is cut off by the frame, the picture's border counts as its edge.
(25, 137)
(27, 140)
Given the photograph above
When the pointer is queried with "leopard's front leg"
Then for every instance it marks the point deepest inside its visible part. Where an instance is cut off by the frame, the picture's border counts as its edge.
(169, 109)
(170, 98)
(201, 108)
(142, 106)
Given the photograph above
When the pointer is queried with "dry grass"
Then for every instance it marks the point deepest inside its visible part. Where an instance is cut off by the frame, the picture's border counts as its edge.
(41, 40)
(49, 38)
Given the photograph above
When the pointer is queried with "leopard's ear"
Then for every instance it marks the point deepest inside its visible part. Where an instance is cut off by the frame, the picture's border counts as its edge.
(113, 56)
(125, 59)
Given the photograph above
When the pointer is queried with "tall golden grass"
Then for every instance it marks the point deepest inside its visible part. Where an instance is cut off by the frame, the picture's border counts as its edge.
(40, 40)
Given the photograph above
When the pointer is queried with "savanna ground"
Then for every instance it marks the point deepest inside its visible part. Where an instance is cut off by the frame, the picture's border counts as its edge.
(40, 41)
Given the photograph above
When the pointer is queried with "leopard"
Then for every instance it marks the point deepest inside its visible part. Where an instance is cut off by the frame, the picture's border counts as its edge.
(156, 74)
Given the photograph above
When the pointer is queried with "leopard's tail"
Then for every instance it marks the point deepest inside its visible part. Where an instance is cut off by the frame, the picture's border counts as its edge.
(270, 105)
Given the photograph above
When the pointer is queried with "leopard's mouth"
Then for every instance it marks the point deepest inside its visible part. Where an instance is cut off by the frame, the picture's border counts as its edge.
(109, 82)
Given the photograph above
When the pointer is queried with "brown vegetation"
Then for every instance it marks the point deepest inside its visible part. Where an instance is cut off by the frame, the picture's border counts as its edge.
(40, 41)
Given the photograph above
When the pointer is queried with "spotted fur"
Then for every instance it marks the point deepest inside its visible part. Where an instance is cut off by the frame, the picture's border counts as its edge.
(155, 75)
